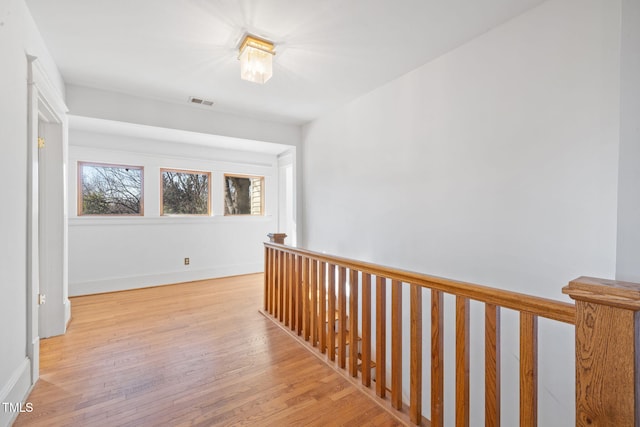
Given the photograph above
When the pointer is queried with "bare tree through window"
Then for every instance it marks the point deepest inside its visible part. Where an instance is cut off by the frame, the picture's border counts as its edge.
(243, 195)
(185, 192)
(110, 189)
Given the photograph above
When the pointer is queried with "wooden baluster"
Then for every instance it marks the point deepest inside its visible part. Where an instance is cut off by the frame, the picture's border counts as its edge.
(396, 344)
(274, 295)
(366, 329)
(331, 315)
(437, 359)
(290, 290)
(322, 316)
(285, 289)
(353, 322)
(342, 317)
(462, 362)
(306, 310)
(282, 282)
(269, 282)
(314, 302)
(415, 408)
(299, 295)
(381, 336)
(607, 352)
(492, 365)
(528, 370)
(276, 287)
(294, 292)
(267, 285)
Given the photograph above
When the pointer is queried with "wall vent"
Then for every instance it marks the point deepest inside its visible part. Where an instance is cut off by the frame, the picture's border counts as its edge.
(200, 101)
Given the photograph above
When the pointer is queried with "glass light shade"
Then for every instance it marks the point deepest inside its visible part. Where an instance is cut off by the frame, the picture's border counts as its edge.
(256, 65)
(256, 59)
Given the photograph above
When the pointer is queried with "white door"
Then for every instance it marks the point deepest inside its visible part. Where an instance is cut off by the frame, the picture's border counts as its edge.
(46, 212)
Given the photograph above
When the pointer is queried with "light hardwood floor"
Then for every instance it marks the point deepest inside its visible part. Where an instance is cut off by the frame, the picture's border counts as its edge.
(193, 354)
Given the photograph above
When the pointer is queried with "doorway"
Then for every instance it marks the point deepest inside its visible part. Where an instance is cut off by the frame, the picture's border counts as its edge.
(48, 308)
(287, 197)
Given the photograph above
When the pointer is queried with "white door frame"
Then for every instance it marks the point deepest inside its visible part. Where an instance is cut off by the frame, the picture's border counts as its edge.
(287, 190)
(44, 103)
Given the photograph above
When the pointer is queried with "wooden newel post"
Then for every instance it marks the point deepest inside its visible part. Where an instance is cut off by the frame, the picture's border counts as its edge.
(607, 339)
(277, 237)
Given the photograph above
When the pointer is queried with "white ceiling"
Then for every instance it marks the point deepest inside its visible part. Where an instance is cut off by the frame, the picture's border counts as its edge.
(328, 51)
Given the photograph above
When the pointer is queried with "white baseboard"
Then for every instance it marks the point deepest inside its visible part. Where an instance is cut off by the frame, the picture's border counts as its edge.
(35, 358)
(15, 391)
(67, 313)
(137, 282)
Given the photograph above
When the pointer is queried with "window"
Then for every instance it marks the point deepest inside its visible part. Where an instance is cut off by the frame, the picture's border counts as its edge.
(243, 195)
(109, 189)
(185, 192)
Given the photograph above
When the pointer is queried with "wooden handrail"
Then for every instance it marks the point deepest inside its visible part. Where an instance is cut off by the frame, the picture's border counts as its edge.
(538, 306)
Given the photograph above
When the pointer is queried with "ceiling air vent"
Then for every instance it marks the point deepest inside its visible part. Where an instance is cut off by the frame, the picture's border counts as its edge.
(200, 101)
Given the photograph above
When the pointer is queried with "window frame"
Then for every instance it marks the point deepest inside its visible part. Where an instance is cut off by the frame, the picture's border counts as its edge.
(191, 172)
(80, 193)
(224, 193)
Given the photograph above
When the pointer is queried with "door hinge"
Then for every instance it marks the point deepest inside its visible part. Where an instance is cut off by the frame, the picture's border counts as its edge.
(42, 298)
(40, 142)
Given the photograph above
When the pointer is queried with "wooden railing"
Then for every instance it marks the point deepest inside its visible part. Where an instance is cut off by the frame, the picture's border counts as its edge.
(328, 301)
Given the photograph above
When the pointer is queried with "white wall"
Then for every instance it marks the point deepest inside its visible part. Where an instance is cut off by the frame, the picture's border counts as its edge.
(18, 36)
(628, 255)
(107, 254)
(495, 164)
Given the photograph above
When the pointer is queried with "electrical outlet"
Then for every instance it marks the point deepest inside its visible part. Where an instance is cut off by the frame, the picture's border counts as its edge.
(186, 261)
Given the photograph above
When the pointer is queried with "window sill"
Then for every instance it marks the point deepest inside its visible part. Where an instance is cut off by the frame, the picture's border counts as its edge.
(165, 220)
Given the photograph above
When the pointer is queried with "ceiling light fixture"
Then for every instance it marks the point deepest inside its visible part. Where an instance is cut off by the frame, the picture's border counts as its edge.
(256, 59)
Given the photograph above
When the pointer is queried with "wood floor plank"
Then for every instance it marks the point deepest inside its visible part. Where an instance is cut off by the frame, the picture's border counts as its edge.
(191, 354)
